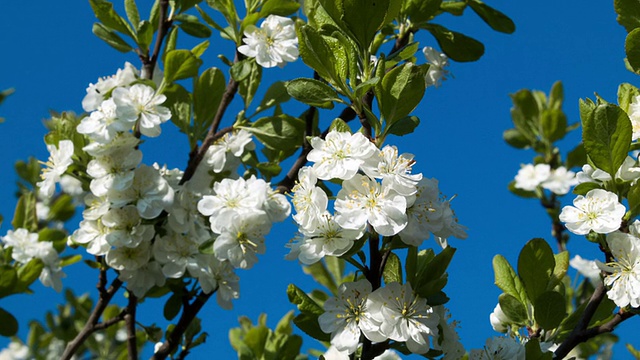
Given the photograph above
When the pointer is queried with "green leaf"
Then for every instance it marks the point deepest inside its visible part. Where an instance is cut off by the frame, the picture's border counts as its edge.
(535, 266)
(339, 125)
(525, 114)
(513, 308)
(70, 260)
(27, 274)
(633, 197)
(554, 124)
(25, 213)
(321, 275)
(305, 304)
(420, 10)
(279, 7)
(400, 91)
(576, 157)
(457, 46)
(8, 323)
(632, 49)
(556, 96)
(172, 306)
(8, 279)
(431, 276)
(109, 17)
(276, 94)
(207, 94)
(192, 26)
(310, 326)
(404, 126)
(179, 102)
(131, 9)
(626, 94)
(363, 18)
(549, 310)
(281, 132)
(514, 138)
(315, 52)
(507, 280)
(312, 92)
(494, 18)
(628, 13)
(111, 38)
(560, 270)
(392, 269)
(533, 351)
(247, 87)
(180, 64)
(606, 136)
(633, 351)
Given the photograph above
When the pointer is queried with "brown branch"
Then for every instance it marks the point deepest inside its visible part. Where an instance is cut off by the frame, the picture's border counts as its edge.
(197, 154)
(188, 314)
(108, 323)
(581, 333)
(130, 320)
(92, 324)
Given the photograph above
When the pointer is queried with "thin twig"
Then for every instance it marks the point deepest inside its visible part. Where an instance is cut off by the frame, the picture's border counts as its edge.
(130, 320)
(188, 314)
(577, 335)
(94, 318)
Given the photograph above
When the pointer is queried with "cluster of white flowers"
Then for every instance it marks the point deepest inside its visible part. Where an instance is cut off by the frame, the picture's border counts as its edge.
(26, 247)
(623, 277)
(390, 312)
(599, 210)
(378, 190)
(15, 351)
(628, 171)
(437, 63)
(559, 181)
(147, 223)
(274, 43)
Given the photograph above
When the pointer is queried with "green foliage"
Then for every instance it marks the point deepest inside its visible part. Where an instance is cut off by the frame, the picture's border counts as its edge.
(606, 135)
(259, 342)
(312, 92)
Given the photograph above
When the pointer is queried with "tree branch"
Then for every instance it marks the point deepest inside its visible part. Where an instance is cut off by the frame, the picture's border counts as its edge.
(581, 333)
(188, 314)
(130, 320)
(92, 324)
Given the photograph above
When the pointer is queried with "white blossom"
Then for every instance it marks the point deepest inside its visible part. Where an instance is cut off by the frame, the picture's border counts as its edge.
(72, 186)
(59, 161)
(634, 116)
(529, 177)
(623, 279)
(141, 103)
(404, 316)
(125, 228)
(225, 154)
(242, 238)
(233, 197)
(346, 317)
(273, 44)
(599, 211)
(448, 341)
(309, 200)
(15, 351)
(113, 172)
(325, 238)
(499, 348)
(220, 276)
(94, 235)
(560, 181)
(394, 169)
(587, 268)
(179, 252)
(590, 174)
(363, 200)
(104, 124)
(339, 155)
(142, 279)
(130, 258)
(499, 320)
(437, 63)
(96, 92)
(149, 191)
(22, 241)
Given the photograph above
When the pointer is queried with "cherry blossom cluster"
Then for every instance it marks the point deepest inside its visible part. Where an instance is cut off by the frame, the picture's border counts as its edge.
(26, 247)
(146, 222)
(393, 312)
(379, 193)
(559, 181)
(274, 43)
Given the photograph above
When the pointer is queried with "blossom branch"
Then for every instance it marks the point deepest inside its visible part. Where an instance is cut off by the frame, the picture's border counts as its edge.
(188, 314)
(197, 154)
(130, 320)
(92, 323)
(580, 333)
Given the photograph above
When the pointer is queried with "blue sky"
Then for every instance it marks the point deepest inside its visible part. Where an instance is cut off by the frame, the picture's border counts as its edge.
(50, 56)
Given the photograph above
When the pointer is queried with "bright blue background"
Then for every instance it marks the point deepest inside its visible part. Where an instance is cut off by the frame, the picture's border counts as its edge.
(49, 56)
